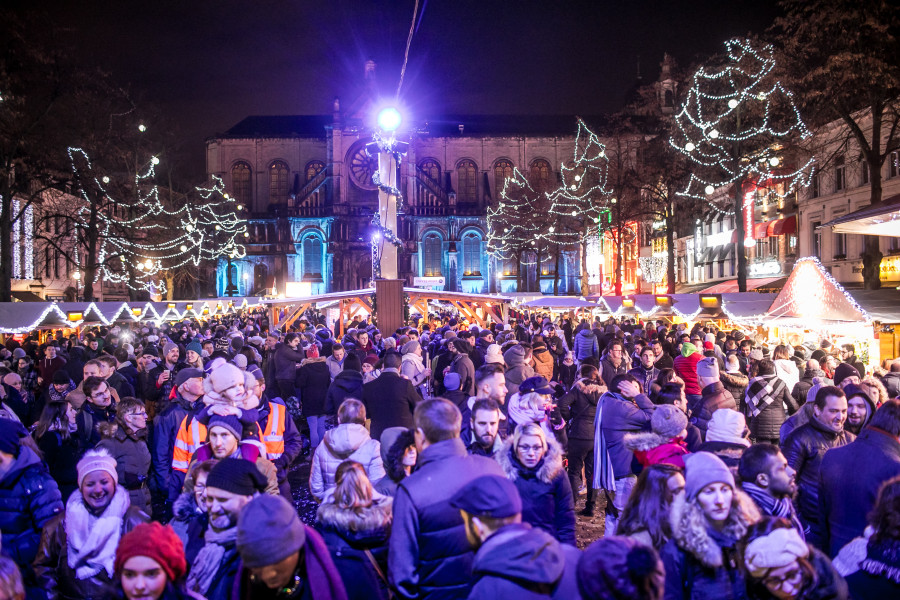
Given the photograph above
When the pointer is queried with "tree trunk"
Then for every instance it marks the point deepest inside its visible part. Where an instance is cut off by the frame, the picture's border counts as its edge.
(585, 281)
(556, 274)
(6, 260)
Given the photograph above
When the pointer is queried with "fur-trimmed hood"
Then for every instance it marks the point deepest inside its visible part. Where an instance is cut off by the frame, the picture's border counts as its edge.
(547, 471)
(372, 519)
(692, 533)
(644, 441)
(185, 506)
(592, 390)
(308, 361)
(734, 379)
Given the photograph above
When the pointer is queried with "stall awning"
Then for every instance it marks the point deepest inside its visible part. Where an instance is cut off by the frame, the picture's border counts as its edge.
(878, 219)
(725, 287)
(786, 226)
(760, 230)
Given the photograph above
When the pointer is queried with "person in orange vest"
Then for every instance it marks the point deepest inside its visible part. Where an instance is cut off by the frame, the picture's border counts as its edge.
(279, 433)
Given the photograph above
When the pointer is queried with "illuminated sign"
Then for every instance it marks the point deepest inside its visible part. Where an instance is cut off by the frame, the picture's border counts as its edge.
(75, 316)
(765, 267)
(719, 239)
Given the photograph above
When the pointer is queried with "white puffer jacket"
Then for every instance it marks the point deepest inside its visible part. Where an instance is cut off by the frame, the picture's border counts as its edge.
(348, 441)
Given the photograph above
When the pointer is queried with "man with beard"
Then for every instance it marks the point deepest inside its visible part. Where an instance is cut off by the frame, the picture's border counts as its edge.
(231, 485)
(462, 365)
(484, 439)
(771, 482)
(860, 409)
(851, 476)
(806, 447)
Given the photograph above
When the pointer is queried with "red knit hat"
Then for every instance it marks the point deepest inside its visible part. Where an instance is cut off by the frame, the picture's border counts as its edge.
(155, 541)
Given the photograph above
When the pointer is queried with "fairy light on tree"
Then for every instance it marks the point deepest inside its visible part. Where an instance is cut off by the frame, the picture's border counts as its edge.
(733, 125)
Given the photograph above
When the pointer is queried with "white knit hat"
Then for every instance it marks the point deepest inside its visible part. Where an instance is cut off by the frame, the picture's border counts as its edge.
(778, 549)
(493, 354)
(727, 425)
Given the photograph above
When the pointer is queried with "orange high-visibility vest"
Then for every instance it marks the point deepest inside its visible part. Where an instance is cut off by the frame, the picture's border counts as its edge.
(273, 436)
(187, 441)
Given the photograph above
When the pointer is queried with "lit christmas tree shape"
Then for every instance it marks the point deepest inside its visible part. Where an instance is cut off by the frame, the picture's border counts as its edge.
(512, 226)
(734, 124)
(811, 298)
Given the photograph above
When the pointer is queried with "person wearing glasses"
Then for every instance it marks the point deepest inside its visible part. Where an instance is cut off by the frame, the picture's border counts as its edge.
(97, 409)
(126, 441)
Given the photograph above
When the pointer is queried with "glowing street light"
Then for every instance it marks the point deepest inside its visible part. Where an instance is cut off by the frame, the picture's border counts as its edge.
(389, 119)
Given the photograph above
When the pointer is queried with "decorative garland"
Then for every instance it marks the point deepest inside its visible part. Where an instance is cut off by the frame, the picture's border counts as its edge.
(382, 233)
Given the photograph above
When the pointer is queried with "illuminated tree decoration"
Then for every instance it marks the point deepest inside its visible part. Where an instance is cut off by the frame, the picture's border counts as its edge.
(653, 268)
(383, 234)
(812, 298)
(512, 226)
(733, 124)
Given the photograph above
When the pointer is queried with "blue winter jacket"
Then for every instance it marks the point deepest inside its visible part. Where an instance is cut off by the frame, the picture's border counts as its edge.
(586, 345)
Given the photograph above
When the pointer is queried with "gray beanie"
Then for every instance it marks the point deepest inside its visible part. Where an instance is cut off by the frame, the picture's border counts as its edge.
(668, 421)
(18, 353)
(702, 469)
(268, 531)
(708, 367)
(410, 346)
(168, 348)
(388, 437)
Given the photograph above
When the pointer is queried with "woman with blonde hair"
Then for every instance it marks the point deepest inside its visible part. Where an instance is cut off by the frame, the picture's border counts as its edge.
(355, 523)
(875, 390)
(532, 460)
(785, 368)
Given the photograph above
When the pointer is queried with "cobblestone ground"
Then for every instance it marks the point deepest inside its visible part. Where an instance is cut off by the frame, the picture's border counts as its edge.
(587, 529)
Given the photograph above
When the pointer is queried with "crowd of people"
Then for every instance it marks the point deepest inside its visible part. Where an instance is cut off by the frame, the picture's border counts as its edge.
(447, 461)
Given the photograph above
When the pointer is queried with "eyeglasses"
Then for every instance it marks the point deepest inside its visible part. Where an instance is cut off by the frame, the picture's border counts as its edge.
(792, 577)
(138, 414)
(530, 449)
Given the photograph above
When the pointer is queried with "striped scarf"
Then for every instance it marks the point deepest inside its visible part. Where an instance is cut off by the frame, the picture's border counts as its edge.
(762, 391)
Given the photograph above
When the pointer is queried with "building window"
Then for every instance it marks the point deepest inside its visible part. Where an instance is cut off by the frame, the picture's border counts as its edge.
(894, 164)
(471, 254)
(815, 191)
(466, 182)
(510, 267)
(792, 244)
(540, 175)
(312, 257)
(816, 239)
(721, 268)
(431, 256)
(278, 182)
(503, 170)
(313, 169)
(840, 246)
(840, 174)
(761, 248)
(240, 184)
(865, 174)
(432, 169)
(773, 246)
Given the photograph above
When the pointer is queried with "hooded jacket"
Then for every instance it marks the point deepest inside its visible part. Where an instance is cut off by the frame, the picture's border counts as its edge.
(616, 417)
(524, 563)
(586, 345)
(516, 370)
(806, 381)
(713, 397)
(736, 384)
(891, 383)
(348, 534)
(652, 449)
(547, 501)
(856, 391)
(787, 371)
(579, 407)
(347, 441)
(347, 384)
(767, 424)
(685, 366)
(700, 562)
(313, 380)
(543, 362)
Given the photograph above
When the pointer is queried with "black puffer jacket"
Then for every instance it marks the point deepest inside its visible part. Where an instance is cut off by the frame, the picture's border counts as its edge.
(579, 407)
(736, 384)
(132, 463)
(804, 449)
(806, 382)
(347, 384)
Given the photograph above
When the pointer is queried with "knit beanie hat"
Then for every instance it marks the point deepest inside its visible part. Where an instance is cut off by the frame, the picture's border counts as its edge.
(240, 361)
(184, 374)
(150, 350)
(756, 354)
(312, 351)
(97, 459)
(700, 470)
(619, 567)
(156, 541)
(708, 367)
(727, 425)
(817, 384)
(18, 353)
(780, 548)
(195, 346)
(223, 377)
(169, 347)
(60, 377)
(819, 356)
(388, 437)
(237, 476)
(229, 422)
(493, 354)
(843, 371)
(668, 421)
(10, 434)
(687, 349)
(268, 531)
(451, 381)
(410, 346)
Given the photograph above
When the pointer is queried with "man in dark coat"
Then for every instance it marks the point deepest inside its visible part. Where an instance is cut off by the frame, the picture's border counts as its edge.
(646, 372)
(512, 559)
(713, 395)
(430, 556)
(287, 357)
(390, 399)
(162, 377)
(805, 449)
(891, 380)
(462, 365)
(850, 477)
(313, 379)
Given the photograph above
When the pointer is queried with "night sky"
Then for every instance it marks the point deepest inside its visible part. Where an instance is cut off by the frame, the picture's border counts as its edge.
(208, 64)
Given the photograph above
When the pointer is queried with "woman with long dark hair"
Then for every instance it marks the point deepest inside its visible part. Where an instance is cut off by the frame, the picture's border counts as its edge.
(646, 514)
(55, 437)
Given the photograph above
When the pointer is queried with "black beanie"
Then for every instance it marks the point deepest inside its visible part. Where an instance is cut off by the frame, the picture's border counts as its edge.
(237, 476)
(619, 567)
(10, 434)
(60, 377)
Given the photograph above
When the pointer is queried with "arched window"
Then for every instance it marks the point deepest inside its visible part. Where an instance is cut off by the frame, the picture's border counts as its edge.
(540, 175)
(471, 254)
(241, 189)
(431, 255)
(313, 169)
(503, 170)
(278, 183)
(260, 277)
(312, 257)
(466, 182)
(431, 168)
(669, 99)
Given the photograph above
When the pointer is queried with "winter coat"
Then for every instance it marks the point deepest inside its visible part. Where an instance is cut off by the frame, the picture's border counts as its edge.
(347, 384)
(545, 490)
(334, 367)
(88, 421)
(543, 362)
(465, 368)
(700, 562)
(585, 345)
(190, 524)
(29, 498)
(646, 377)
(132, 464)
(619, 418)
(286, 360)
(804, 450)
(787, 371)
(579, 407)
(348, 441)
(61, 457)
(795, 421)
(54, 575)
(313, 379)
(872, 570)
(154, 393)
(249, 450)
(293, 442)
(713, 397)
(829, 585)
(652, 449)
(390, 401)
(891, 383)
(166, 484)
(524, 563)
(516, 370)
(686, 368)
(429, 555)
(849, 479)
(767, 424)
(349, 535)
(736, 385)
(608, 370)
(802, 386)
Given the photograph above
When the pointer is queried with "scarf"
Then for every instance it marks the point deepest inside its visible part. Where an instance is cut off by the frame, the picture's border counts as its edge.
(208, 560)
(776, 507)
(883, 560)
(761, 392)
(59, 396)
(604, 477)
(92, 540)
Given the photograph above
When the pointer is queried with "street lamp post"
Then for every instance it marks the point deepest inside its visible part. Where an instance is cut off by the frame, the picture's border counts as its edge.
(77, 277)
